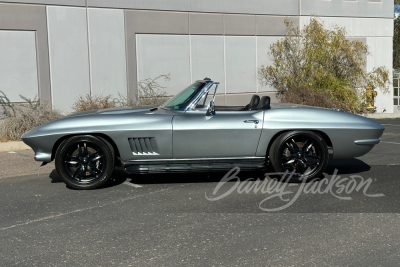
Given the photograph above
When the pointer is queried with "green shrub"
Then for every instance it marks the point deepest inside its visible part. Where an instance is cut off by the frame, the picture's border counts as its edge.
(322, 61)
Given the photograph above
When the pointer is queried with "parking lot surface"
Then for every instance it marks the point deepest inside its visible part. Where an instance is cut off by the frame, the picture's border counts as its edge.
(179, 220)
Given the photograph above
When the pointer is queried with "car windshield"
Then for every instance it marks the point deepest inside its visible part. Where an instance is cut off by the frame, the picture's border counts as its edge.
(181, 100)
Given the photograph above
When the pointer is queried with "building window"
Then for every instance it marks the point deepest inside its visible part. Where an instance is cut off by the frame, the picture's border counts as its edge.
(396, 89)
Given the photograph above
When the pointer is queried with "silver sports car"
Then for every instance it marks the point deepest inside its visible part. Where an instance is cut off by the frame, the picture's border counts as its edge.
(190, 134)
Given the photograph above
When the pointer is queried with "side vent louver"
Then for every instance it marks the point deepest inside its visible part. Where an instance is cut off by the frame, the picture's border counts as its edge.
(143, 146)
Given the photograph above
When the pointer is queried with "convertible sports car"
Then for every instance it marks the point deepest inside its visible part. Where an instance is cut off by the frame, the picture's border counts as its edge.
(190, 134)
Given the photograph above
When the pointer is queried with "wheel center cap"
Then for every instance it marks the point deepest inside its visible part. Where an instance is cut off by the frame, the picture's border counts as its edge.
(84, 160)
(299, 155)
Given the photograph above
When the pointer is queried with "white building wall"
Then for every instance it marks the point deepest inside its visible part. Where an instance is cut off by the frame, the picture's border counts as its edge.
(263, 58)
(18, 68)
(231, 60)
(207, 59)
(68, 51)
(164, 54)
(107, 52)
(240, 61)
(381, 55)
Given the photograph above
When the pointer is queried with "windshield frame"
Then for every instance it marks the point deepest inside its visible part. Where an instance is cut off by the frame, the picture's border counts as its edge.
(192, 103)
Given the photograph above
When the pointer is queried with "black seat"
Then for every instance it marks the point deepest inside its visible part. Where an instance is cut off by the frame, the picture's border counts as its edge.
(265, 103)
(254, 102)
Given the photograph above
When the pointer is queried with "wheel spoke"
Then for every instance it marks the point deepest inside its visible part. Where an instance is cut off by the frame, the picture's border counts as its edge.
(295, 146)
(89, 168)
(301, 163)
(291, 147)
(91, 156)
(305, 144)
(77, 173)
(290, 162)
(85, 151)
(97, 158)
(311, 160)
(309, 146)
(73, 160)
(79, 151)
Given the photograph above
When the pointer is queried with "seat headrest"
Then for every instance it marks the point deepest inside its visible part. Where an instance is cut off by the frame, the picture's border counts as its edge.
(254, 102)
(265, 103)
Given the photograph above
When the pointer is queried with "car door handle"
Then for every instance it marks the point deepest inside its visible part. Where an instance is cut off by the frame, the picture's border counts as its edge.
(251, 121)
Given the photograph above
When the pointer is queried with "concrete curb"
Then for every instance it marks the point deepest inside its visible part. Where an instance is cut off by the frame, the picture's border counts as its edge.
(382, 115)
(13, 146)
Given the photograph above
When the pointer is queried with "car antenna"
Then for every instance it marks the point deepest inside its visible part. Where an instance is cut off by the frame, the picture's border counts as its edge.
(206, 79)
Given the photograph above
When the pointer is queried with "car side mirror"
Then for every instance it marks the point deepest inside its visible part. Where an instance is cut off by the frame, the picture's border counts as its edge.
(211, 109)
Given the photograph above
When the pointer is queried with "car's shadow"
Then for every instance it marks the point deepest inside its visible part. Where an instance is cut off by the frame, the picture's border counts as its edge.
(119, 176)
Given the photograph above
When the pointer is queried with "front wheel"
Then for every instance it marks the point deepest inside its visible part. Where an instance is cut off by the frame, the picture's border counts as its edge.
(84, 162)
(301, 154)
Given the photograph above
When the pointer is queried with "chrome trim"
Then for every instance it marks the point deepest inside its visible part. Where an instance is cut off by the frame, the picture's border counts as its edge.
(367, 142)
(251, 121)
(194, 159)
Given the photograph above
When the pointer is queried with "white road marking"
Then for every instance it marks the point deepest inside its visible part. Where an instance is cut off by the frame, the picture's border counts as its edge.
(132, 184)
(390, 143)
(12, 152)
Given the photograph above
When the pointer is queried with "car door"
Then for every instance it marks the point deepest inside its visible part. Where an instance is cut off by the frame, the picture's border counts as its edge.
(227, 134)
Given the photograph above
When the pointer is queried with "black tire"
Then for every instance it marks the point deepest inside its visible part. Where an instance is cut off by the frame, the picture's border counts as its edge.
(303, 153)
(85, 162)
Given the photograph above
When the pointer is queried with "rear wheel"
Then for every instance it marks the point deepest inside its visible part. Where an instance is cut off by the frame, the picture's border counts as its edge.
(84, 162)
(303, 153)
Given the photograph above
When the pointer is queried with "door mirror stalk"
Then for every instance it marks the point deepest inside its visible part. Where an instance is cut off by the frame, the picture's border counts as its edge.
(211, 109)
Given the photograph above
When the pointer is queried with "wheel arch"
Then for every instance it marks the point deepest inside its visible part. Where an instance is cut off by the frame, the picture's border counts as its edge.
(101, 135)
(321, 133)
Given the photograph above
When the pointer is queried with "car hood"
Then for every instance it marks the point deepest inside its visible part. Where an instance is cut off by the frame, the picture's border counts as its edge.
(112, 111)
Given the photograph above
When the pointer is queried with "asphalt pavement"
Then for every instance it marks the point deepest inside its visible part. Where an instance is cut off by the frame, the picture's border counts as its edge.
(349, 218)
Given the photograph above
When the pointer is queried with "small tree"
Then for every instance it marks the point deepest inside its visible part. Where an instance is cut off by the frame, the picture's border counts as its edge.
(322, 61)
(397, 5)
(396, 44)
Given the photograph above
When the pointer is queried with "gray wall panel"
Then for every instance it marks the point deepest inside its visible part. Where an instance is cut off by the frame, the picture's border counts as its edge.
(360, 8)
(18, 69)
(275, 7)
(273, 25)
(149, 22)
(159, 22)
(164, 54)
(107, 51)
(240, 25)
(240, 54)
(50, 2)
(68, 55)
(205, 23)
(31, 17)
(207, 59)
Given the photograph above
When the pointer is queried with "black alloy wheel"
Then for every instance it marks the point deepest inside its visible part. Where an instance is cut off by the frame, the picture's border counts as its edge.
(85, 162)
(301, 153)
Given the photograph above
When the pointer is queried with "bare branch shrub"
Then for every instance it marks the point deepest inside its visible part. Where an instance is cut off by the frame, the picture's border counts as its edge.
(310, 97)
(26, 118)
(91, 102)
(149, 93)
(6, 105)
